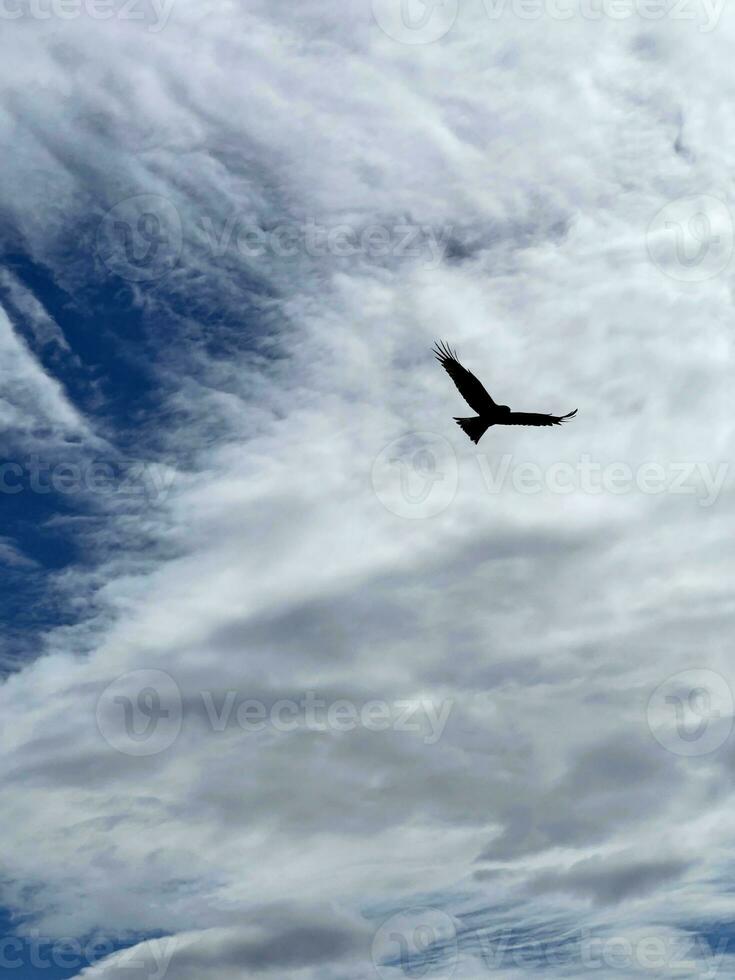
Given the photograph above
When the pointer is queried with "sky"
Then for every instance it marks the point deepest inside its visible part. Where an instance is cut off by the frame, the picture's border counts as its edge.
(295, 680)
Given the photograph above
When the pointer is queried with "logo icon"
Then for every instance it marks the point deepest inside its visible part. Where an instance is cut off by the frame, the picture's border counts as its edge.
(419, 942)
(415, 21)
(140, 239)
(691, 239)
(691, 713)
(416, 476)
(140, 713)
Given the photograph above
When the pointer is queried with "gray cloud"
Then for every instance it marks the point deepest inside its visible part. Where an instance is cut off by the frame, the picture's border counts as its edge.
(614, 880)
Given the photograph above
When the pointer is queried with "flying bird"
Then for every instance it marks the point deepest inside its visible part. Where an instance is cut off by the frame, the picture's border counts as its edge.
(488, 413)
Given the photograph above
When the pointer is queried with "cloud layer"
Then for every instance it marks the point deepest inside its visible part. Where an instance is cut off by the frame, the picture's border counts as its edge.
(520, 707)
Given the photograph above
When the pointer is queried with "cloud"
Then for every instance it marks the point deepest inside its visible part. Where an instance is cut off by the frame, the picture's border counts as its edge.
(282, 937)
(607, 881)
(11, 556)
(268, 385)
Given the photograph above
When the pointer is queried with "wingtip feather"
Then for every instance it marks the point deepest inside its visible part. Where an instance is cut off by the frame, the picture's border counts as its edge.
(443, 352)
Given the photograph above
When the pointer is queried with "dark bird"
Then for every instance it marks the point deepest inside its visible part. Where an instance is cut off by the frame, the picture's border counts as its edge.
(488, 413)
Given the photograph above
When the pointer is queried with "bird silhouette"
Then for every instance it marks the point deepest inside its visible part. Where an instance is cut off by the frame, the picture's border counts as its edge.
(488, 413)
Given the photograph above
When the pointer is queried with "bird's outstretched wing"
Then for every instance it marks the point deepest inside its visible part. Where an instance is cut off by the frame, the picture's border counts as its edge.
(467, 384)
(534, 418)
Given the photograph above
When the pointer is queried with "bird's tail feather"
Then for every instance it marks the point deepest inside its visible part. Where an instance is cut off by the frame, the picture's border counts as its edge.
(474, 427)
(569, 415)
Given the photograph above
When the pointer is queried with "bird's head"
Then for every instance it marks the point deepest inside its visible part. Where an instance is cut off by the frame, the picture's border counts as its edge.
(505, 409)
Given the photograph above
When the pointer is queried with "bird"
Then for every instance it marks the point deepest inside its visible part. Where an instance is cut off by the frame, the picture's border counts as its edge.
(488, 413)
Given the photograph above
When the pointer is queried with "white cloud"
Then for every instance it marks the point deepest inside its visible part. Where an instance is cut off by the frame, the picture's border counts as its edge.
(548, 619)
